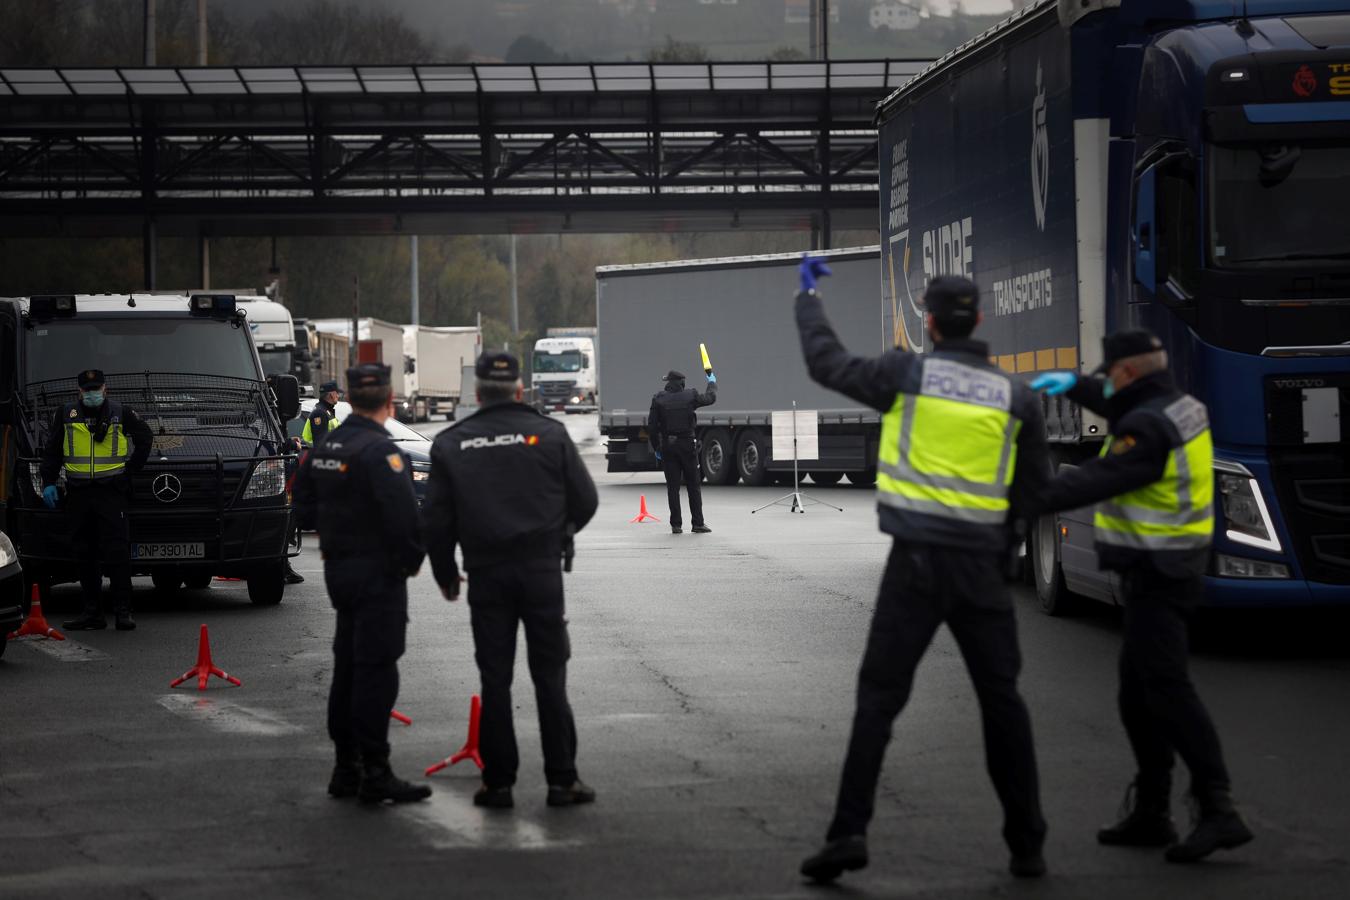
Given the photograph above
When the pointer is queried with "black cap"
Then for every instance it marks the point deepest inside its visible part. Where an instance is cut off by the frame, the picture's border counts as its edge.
(1124, 344)
(90, 378)
(329, 386)
(672, 375)
(368, 375)
(497, 366)
(952, 297)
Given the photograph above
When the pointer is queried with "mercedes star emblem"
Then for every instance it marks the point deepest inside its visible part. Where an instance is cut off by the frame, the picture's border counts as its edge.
(166, 488)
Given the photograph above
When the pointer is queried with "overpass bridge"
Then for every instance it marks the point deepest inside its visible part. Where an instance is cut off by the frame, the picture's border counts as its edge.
(612, 147)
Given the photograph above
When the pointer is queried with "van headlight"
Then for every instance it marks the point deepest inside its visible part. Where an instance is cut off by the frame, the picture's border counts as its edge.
(7, 554)
(1244, 507)
(267, 479)
(421, 473)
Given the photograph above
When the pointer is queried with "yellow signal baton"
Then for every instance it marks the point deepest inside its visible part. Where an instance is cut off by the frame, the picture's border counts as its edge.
(707, 364)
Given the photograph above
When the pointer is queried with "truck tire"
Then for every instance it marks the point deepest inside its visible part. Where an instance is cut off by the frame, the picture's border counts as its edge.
(1043, 547)
(752, 458)
(863, 479)
(266, 584)
(197, 581)
(718, 457)
(826, 479)
(167, 581)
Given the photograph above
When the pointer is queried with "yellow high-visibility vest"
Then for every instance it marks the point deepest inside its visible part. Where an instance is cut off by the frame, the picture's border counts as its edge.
(87, 458)
(950, 450)
(1176, 512)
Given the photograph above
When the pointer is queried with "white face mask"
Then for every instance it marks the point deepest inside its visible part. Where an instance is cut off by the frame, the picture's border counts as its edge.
(93, 398)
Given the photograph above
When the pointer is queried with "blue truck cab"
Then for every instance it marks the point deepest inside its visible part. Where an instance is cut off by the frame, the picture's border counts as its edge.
(1180, 166)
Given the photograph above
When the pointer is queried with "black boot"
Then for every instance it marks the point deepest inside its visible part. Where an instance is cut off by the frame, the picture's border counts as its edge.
(1027, 865)
(493, 798)
(90, 620)
(836, 857)
(346, 780)
(702, 529)
(292, 576)
(1218, 827)
(122, 612)
(379, 783)
(1146, 820)
(676, 529)
(573, 794)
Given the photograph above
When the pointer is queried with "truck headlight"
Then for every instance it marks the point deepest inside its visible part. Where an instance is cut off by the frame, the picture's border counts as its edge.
(7, 554)
(1244, 508)
(267, 479)
(1240, 567)
(421, 474)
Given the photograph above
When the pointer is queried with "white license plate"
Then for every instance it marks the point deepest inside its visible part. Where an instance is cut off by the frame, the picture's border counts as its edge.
(168, 551)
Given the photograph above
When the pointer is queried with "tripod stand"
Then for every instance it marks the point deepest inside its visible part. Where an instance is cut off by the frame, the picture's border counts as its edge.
(797, 498)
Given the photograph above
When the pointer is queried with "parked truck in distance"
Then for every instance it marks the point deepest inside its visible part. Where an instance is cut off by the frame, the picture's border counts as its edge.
(652, 318)
(1180, 166)
(377, 341)
(436, 358)
(564, 370)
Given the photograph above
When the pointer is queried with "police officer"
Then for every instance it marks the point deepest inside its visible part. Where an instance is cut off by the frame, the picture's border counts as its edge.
(356, 489)
(947, 492)
(1153, 486)
(670, 429)
(100, 443)
(509, 488)
(323, 417)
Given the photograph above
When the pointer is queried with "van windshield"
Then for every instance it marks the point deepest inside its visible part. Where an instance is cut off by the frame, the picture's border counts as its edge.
(61, 348)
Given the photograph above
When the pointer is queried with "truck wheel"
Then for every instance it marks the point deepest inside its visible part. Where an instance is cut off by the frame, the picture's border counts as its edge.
(863, 479)
(826, 479)
(166, 582)
(197, 582)
(266, 585)
(752, 458)
(1055, 596)
(719, 459)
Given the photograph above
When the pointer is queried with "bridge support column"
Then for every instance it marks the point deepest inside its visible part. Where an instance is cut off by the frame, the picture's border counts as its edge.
(149, 252)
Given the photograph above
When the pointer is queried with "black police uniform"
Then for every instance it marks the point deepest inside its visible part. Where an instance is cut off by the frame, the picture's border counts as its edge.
(1159, 706)
(670, 430)
(939, 570)
(356, 490)
(508, 486)
(96, 509)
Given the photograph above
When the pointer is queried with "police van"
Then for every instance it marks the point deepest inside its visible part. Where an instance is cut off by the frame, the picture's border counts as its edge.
(211, 499)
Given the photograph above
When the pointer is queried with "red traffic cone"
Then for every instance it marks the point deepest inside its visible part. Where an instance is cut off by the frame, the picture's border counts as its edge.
(643, 515)
(400, 717)
(36, 623)
(470, 748)
(204, 668)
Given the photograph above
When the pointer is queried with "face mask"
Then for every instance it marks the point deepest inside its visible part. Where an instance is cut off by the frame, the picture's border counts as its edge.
(1109, 389)
(93, 399)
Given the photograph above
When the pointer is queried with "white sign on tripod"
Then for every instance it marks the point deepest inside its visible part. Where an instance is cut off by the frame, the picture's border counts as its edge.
(796, 436)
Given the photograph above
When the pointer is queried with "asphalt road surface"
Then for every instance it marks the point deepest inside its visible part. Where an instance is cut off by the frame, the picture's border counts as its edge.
(712, 680)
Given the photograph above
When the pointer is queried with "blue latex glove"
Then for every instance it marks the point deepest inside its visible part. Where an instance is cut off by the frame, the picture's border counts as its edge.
(712, 378)
(811, 269)
(658, 455)
(1054, 382)
(50, 496)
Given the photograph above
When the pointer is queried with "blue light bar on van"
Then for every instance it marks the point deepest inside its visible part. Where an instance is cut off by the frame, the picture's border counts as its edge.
(59, 306)
(221, 305)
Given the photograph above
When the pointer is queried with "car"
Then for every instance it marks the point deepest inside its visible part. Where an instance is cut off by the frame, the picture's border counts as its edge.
(13, 598)
(417, 446)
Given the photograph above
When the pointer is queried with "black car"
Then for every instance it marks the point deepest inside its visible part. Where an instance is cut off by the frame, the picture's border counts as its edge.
(13, 598)
(417, 446)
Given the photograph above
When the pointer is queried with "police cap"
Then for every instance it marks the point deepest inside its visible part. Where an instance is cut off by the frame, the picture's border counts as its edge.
(1124, 344)
(673, 375)
(497, 366)
(90, 378)
(952, 297)
(368, 375)
(328, 387)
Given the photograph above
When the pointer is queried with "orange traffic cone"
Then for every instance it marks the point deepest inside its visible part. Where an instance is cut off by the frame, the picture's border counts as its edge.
(204, 668)
(36, 623)
(643, 515)
(470, 748)
(400, 717)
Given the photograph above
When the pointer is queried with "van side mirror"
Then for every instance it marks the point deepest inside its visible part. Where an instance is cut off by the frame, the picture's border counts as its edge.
(287, 390)
(1144, 235)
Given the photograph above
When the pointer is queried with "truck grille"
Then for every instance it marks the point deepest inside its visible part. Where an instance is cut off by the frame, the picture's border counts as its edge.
(556, 390)
(1314, 491)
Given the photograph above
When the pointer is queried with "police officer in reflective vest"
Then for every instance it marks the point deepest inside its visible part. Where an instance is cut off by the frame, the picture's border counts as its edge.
(100, 443)
(1153, 487)
(962, 451)
(356, 489)
(670, 430)
(323, 417)
(509, 488)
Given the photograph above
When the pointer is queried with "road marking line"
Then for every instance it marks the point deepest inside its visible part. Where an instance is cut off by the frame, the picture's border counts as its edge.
(227, 716)
(453, 823)
(67, 650)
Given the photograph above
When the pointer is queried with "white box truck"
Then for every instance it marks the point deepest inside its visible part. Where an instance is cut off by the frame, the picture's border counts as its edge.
(371, 332)
(437, 356)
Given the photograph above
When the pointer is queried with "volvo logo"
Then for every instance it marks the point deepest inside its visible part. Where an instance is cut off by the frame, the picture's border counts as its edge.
(1287, 383)
(166, 488)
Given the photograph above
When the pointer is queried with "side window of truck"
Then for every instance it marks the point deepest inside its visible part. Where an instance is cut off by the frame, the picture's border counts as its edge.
(1178, 207)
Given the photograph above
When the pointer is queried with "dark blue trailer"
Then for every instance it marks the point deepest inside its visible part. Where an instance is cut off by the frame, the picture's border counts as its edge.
(1181, 166)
